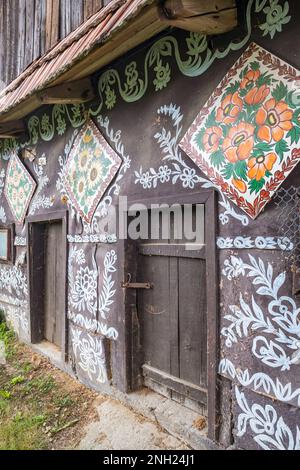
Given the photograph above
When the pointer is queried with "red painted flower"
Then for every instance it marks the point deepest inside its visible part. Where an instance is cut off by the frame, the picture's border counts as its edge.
(257, 95)
(251, 76)
(258, 166)
(230, 108)
(274, 119)
(239, 143)
(211, 139)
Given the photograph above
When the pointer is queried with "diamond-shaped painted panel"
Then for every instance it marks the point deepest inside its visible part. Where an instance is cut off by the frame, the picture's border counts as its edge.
(246, 136)
(91, 166)
(19, 188)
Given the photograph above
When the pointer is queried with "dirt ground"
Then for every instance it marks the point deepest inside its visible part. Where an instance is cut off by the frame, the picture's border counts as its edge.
(41, 407)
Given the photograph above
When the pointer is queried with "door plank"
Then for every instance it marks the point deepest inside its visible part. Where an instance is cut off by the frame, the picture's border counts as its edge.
(192, 321)
(178, 385)
(154, 311)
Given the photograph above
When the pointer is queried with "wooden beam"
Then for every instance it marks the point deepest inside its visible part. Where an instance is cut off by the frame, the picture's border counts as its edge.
(186, 8)
(205, 17)
(11, 129)
(77, 92)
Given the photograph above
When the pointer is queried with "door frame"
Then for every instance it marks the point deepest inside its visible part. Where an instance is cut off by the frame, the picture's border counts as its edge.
(36, 282)
(132, 350)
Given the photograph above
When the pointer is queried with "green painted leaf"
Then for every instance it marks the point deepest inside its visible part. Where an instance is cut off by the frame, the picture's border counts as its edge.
(199, 139)
(243, 72)
(264, 79)
(256, 186)
(217, 159)
(211, 120)
(261, 148)
(292, 98)
(228, 171)
(232, 88)
(254, 65)
(296, 117)
(280, 92)
(240, 170)
(244, 92)
(294, 135)
(281, 147)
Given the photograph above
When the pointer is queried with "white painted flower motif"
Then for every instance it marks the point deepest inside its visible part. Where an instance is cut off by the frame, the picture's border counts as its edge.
(270, 353)
(91, 355)
(263, 420)
(188, 178)
(164, 174)
(276, 17)
(233, 268)
(271, 432)
(146, 180)
(84, 291)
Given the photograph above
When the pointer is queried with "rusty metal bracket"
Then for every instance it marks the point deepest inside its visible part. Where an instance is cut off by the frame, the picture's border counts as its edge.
(136, 285)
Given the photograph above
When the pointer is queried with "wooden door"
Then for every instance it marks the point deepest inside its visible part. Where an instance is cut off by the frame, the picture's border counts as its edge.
(54, 284)
(173, 318)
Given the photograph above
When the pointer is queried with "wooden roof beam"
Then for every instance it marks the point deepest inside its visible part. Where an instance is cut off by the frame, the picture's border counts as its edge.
(11, 129)
(76, 92)
(203, 17)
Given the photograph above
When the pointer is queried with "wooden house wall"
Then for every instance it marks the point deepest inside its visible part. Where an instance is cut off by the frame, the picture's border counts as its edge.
(28, 28)
(144, 122)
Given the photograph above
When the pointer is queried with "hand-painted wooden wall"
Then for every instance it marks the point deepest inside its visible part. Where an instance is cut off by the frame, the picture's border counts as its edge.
(147, 102)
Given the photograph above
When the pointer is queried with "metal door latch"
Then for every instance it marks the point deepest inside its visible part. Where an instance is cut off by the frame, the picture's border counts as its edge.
(136, 285)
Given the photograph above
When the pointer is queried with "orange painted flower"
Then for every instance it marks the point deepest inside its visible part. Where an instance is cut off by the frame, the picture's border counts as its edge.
(258, 166)
(257, 95)
(230, 108)
(211, 139)
(251, 76)
(239, 142)
(274, 119)
(240, 185)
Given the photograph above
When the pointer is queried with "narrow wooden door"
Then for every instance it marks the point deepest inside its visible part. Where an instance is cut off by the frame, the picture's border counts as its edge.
(54, 284)
(173, 317)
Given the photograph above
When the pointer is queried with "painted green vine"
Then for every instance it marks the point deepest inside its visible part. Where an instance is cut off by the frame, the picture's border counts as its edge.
(198, 58)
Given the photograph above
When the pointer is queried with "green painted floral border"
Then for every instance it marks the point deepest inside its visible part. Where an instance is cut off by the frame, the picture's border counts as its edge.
(198, 59)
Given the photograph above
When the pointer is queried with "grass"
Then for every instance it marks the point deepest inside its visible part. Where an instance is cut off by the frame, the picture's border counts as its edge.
(35, 410)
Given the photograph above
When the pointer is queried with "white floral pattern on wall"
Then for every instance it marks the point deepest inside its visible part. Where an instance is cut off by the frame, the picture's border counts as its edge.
(84, 295)
(90, 353)
(282, 322)
(269, 429)
(174, 167)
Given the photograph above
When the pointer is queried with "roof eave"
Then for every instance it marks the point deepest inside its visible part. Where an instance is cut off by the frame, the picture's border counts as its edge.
(129, 35)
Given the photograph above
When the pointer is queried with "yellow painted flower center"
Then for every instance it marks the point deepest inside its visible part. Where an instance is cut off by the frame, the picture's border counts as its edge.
(239, 139)
(272, 119)
(227, 109)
